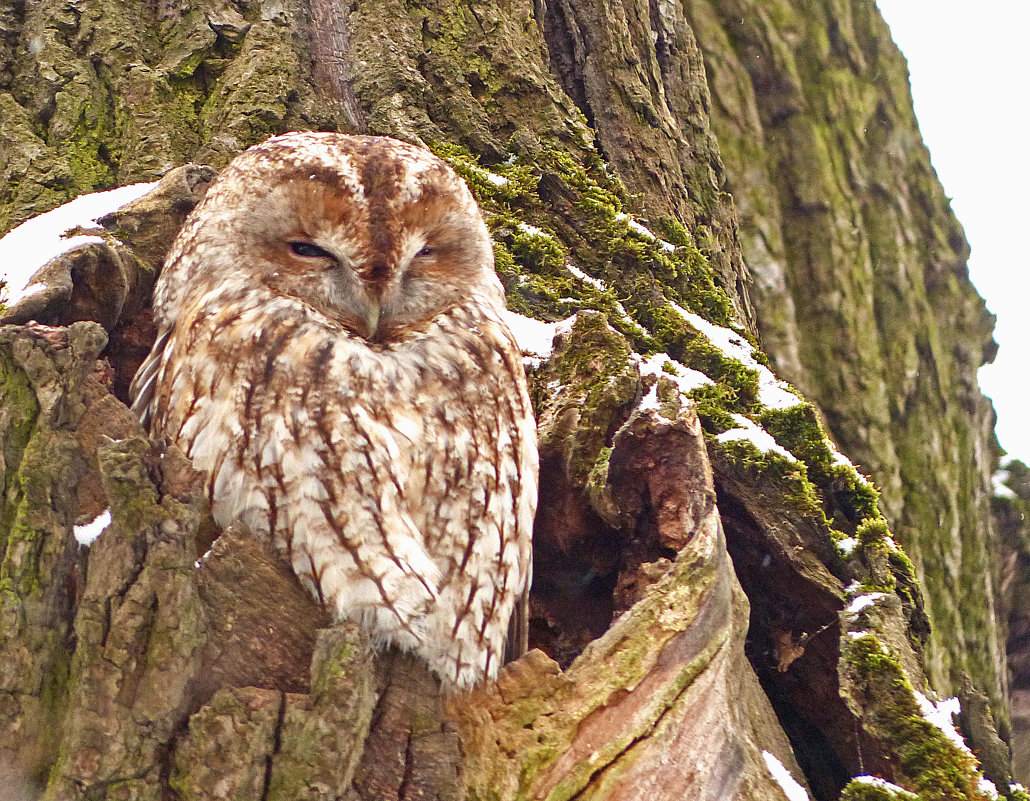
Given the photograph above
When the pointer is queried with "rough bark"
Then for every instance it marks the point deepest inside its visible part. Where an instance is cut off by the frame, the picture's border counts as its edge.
(863, 295)
(172, 659)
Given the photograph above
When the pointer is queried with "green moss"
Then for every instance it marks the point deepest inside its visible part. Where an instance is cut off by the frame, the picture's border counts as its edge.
(930, 762)
(902, 567)
(644, 278)
(86, 149)
(712, 402)
(582, 214)
(886, 347)
(538, 252)
(134, 500)
(175, 104)
(862, 791)
(188, 43)
(767, 468)
(1016, 793)
(581, 395)
(343, 666)
(873, 533)
(597, 479)
(21, 579)
(556, 212)
(851, 506)
(622, 253)
(675, 233)
(531, 265)
(876, 553)
(518, 182)
(250, 99)
(849, 498)
(595, 355)
(21, 409)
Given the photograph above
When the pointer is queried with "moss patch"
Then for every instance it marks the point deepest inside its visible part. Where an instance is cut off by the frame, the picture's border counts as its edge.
(553, 209)
(865, 791)
(849, 498)
(20, 410)
(931, 763)
(564, 245)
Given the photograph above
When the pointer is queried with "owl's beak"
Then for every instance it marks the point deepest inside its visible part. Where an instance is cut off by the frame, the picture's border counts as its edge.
(371, 318)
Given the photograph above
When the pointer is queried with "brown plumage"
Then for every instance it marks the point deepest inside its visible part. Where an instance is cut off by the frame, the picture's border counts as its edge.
(332, 354)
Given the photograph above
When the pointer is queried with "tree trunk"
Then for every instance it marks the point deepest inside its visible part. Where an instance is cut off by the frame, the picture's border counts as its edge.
(171, 659)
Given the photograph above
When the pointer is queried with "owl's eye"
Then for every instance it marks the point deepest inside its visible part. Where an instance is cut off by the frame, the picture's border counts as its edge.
(310, 251)
(425, 251)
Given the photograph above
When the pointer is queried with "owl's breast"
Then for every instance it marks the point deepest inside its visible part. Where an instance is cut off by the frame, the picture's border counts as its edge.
(395, 473)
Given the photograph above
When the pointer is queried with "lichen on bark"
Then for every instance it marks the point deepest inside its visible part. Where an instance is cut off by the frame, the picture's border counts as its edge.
(861, 288)
(586, 131)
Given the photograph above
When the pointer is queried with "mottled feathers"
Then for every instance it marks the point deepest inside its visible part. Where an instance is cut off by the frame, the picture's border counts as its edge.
(332, 355)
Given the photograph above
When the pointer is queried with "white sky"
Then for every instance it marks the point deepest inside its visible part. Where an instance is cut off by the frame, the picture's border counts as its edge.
(970, 68)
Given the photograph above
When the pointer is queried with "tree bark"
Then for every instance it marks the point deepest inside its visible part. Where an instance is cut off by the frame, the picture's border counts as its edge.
(174, 660)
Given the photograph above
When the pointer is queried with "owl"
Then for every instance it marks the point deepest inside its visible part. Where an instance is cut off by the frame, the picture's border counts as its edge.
(332, 355)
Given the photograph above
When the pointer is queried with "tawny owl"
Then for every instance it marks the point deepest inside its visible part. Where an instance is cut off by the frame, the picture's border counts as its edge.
(332, 355)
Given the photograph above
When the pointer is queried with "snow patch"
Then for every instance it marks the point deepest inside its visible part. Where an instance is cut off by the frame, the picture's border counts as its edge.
(791, 788)
(637, 228)
(749, 431)
(35, 242)
(686, 378)
(863, 601)
(1001, 490)
(27, 292)
(85, 534)
(988, 788)
(207, 553)
(532, 230)
(535, 338)
(883, 784)
(597, 283)
(842, 460)
(650, 400)
(772, 392)
(838, 457)
(940, 715)
(494, 178)
(847, 545)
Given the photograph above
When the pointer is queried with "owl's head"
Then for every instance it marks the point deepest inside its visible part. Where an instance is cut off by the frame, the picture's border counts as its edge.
(375, 234)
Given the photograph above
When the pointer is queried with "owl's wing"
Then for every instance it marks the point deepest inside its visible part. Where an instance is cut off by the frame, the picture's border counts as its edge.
(517, 641)
(141, 391)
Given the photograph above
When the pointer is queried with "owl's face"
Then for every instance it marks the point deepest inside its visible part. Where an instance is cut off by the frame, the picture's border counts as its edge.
(375, 234)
